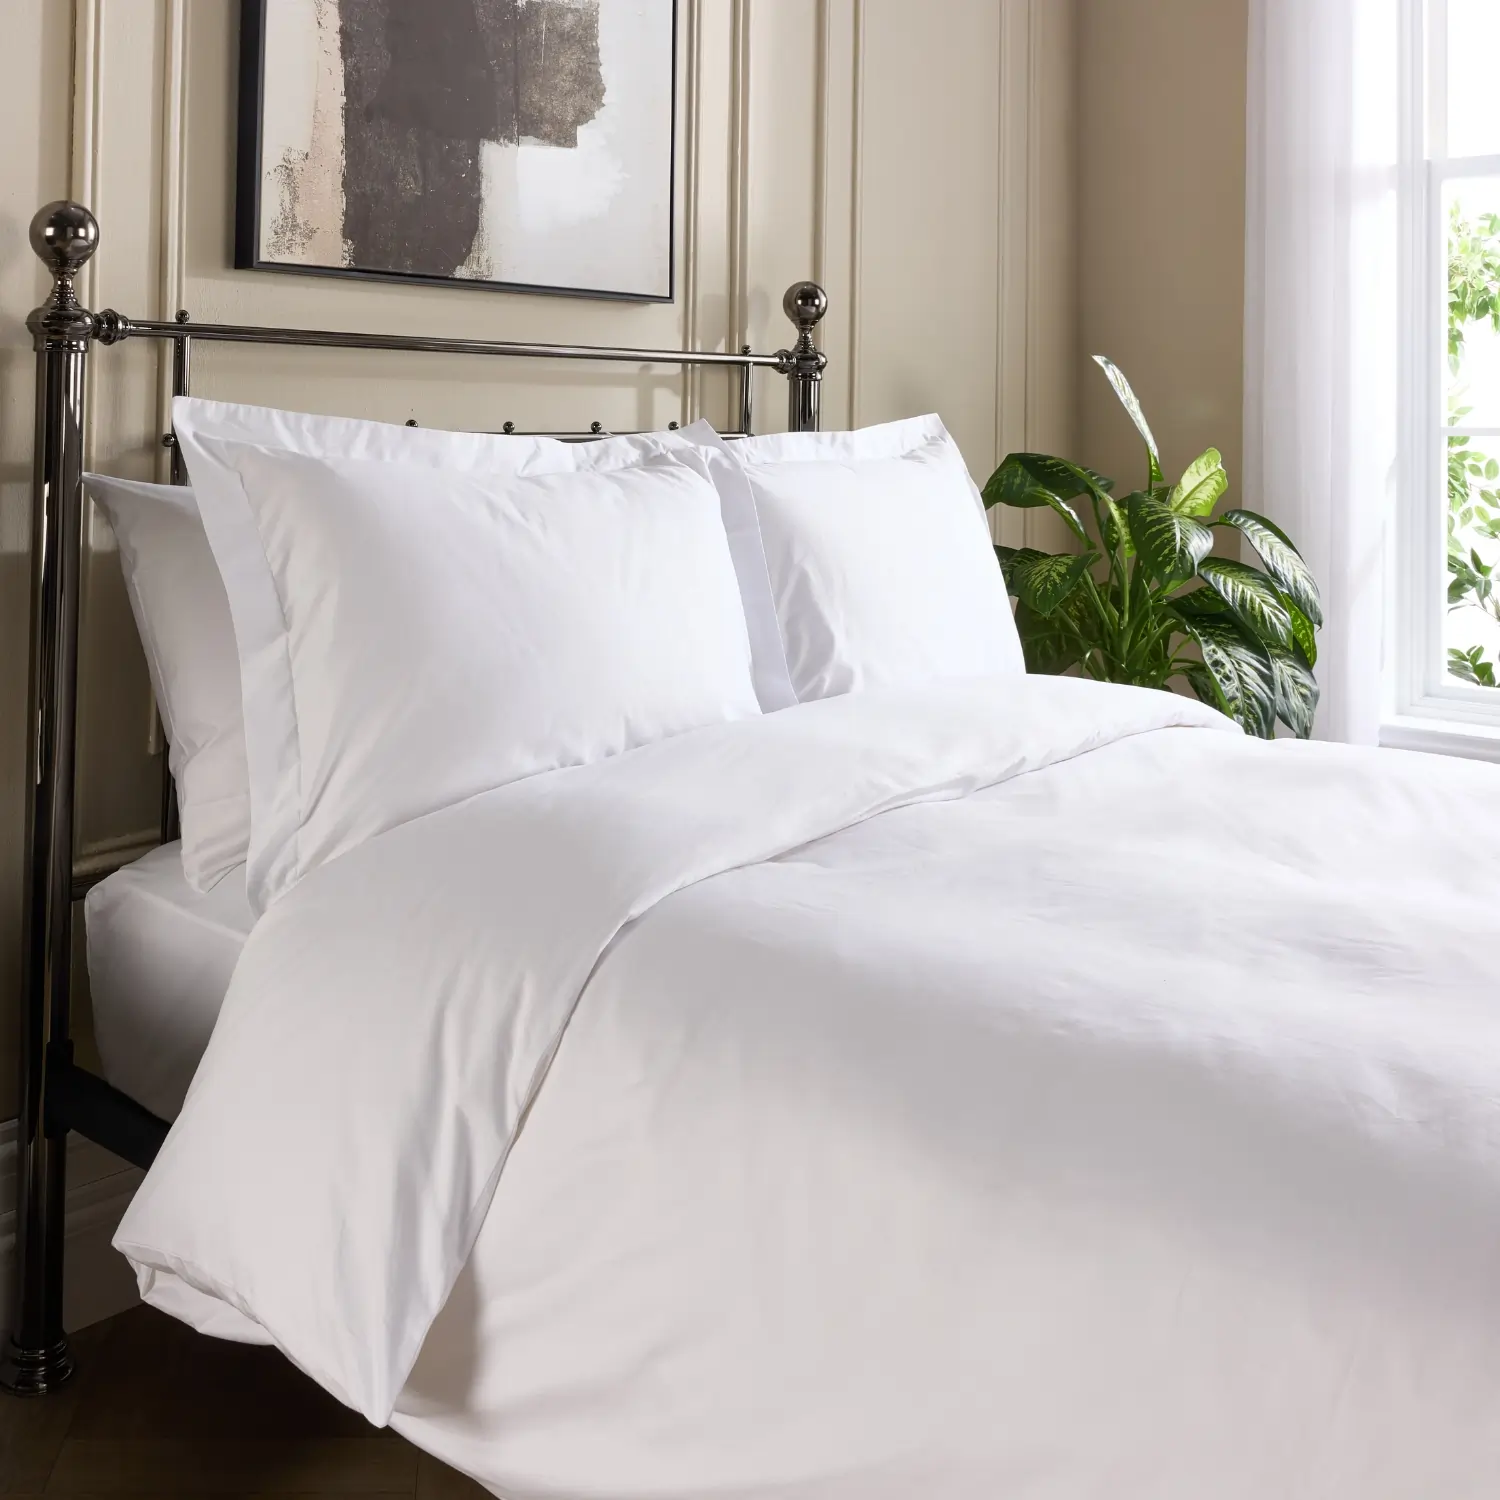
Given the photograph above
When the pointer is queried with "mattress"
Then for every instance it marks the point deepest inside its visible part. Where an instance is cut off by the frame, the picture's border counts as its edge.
(160, 955)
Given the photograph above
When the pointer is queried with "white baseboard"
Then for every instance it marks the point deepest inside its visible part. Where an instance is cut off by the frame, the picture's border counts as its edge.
(97, 1282)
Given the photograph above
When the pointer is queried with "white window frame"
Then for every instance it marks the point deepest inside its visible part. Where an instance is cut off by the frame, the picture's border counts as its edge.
(1426, 708)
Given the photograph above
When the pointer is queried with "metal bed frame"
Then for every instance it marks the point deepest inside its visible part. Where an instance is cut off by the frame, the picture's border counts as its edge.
(57, 1095)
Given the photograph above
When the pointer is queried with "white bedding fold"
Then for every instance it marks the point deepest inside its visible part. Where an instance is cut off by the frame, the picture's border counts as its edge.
(392, 1017)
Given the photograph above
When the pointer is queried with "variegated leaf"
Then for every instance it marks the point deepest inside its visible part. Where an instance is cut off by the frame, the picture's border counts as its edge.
(1032, 480)
(1283, 562)
(1296, 692)
(1116, 377)
(1043, 581)
(1306, 636)
(1200, 603)
(1170, 545)
(1012, 559)
(1202, 487)
(1251, 597)
(1205, 686)
(1242, 669)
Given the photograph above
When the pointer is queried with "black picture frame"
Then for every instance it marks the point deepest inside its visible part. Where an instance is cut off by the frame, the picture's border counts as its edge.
(248, 177)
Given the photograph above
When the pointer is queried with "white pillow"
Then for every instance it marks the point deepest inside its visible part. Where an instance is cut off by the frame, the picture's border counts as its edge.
(410, 636)
(489, 453)
(182, 614)
(882, 568)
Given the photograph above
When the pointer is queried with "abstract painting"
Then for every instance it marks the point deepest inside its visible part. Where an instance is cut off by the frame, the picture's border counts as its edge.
(518, 143)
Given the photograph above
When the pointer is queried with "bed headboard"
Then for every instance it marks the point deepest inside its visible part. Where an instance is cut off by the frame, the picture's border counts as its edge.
(56, 1095)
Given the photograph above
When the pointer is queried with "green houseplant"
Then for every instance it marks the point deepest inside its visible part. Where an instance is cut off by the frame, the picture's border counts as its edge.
(1144, 601)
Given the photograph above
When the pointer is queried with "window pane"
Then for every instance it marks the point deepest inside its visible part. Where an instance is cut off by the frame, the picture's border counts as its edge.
(1472, 386)
(1472, 477)
(1471, 632)
(1473, 61)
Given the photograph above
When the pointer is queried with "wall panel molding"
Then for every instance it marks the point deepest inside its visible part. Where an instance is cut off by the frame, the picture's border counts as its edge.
(118, 726)
(712, 63)
(690, 166)
(176, 77)
(855, 283)
(856, 201)
(1013, 333)
(84, 168)
(837, 211)
(1015, 161)
(88, 70)
(1054, 362)
(820, 144)
(1035, 349)
(741, 145)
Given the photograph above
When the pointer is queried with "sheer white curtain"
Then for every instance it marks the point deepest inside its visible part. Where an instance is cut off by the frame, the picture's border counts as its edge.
(1322, 315)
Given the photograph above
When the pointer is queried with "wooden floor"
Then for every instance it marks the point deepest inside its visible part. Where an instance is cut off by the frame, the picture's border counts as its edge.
(157, 1409)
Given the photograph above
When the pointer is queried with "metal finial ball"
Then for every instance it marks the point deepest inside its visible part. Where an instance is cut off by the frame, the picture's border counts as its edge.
(805, 303)
(64, 235)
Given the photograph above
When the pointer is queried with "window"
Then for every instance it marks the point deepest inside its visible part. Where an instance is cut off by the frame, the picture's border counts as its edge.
(1447, 628)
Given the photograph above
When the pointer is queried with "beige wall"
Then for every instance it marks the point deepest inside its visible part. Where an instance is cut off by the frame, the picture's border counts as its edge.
(922, 173)
(1161, 209)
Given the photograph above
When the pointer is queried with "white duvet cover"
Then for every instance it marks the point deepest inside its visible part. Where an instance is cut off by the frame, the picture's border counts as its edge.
(997, 1089)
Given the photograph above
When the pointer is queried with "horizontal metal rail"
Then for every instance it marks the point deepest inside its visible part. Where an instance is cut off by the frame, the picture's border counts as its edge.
(82, 1101)
(113, 328)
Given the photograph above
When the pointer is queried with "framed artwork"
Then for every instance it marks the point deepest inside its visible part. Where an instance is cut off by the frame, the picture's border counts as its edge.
(519, 144)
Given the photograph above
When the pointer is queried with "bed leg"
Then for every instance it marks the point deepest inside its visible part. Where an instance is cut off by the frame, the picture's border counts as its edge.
(37, 1358)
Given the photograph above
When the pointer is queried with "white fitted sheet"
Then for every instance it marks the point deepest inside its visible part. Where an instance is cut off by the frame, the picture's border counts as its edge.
(160, 956)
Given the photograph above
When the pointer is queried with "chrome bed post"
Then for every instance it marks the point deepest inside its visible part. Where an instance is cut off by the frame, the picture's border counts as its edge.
(805, 304)
(64, 235)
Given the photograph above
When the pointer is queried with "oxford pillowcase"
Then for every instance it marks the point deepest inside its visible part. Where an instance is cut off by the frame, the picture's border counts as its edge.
(492, 453)
(409, 635)
(182, 614)
(881, 564)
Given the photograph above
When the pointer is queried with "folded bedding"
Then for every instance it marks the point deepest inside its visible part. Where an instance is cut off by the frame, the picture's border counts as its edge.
(960, 1089)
